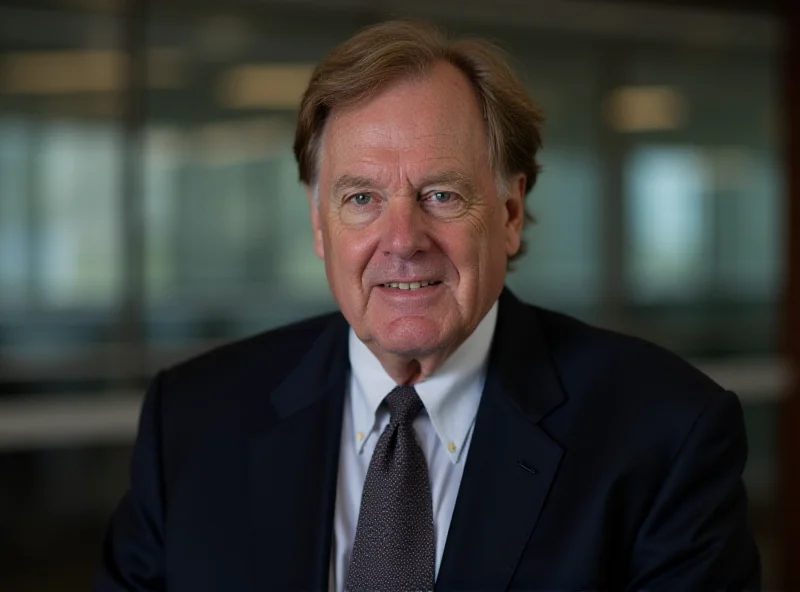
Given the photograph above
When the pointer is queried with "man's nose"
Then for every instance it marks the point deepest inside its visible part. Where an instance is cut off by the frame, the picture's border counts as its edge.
(405, 230)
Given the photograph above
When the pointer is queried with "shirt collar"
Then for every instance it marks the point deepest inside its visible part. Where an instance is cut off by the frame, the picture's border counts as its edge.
(451, 395)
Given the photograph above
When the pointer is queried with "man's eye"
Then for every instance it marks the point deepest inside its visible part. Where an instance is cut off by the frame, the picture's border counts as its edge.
(361, 199)
(442, 196)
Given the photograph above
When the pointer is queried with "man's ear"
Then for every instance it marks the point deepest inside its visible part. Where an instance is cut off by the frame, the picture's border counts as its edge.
(316, 220)
(515, 214)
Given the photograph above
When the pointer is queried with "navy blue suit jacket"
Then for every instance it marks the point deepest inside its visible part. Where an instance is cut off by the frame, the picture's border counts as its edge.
(598, 462)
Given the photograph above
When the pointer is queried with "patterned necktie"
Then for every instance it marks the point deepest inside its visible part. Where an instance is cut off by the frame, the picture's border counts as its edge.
(394, 547)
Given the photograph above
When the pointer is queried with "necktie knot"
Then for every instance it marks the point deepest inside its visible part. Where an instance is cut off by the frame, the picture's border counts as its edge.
(404, 404)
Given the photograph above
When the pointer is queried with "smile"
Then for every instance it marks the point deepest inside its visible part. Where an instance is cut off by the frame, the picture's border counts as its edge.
(410, 285)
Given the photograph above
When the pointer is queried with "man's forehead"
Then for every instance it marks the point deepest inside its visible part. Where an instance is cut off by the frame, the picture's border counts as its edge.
(372, 135)
(364, 140)
(384, 165)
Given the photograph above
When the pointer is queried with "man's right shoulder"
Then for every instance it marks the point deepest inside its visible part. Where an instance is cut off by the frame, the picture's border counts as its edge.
(261, 360)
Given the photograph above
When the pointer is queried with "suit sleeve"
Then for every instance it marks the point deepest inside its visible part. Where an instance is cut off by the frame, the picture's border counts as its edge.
(133, 549)
(696, 535)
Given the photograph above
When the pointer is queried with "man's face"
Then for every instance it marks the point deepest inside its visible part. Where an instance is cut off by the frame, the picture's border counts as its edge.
(414, 236)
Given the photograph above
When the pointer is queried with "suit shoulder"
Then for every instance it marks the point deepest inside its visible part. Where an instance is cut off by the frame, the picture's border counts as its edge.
(623, 367)
(271, 353)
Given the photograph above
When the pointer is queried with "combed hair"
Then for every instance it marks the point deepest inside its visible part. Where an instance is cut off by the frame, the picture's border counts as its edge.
(391, 51)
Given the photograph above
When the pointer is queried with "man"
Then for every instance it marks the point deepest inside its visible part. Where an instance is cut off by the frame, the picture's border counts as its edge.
(438, 431)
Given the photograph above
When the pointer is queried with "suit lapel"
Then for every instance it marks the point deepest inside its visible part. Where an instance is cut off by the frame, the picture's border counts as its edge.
(511, 462)
(292, 469)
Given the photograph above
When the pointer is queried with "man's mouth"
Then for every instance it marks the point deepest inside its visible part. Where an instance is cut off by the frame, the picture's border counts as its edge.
(409, 285)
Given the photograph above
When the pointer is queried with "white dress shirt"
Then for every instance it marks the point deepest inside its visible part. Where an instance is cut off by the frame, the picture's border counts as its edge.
(444, 429)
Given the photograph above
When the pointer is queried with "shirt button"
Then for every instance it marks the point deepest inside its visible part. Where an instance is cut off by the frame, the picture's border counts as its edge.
(360, 436)
(451, 447)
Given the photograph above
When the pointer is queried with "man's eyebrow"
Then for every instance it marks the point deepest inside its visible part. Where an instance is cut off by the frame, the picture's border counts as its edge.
(352, 182)
(453, 178)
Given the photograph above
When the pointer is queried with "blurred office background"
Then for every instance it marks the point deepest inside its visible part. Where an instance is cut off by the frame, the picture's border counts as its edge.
(150, 209)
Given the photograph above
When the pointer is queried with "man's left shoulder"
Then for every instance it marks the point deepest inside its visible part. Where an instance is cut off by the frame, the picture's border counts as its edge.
(622, 369)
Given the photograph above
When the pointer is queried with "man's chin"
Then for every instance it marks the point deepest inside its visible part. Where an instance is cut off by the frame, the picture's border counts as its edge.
(413, 338)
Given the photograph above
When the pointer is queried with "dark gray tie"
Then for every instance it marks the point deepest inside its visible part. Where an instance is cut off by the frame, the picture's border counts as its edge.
(394, 547)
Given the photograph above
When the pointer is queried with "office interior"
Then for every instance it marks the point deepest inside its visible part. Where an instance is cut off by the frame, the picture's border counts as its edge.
(150, 210)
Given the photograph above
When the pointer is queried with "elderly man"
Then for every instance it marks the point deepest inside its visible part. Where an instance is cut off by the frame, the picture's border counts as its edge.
(438, 432)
